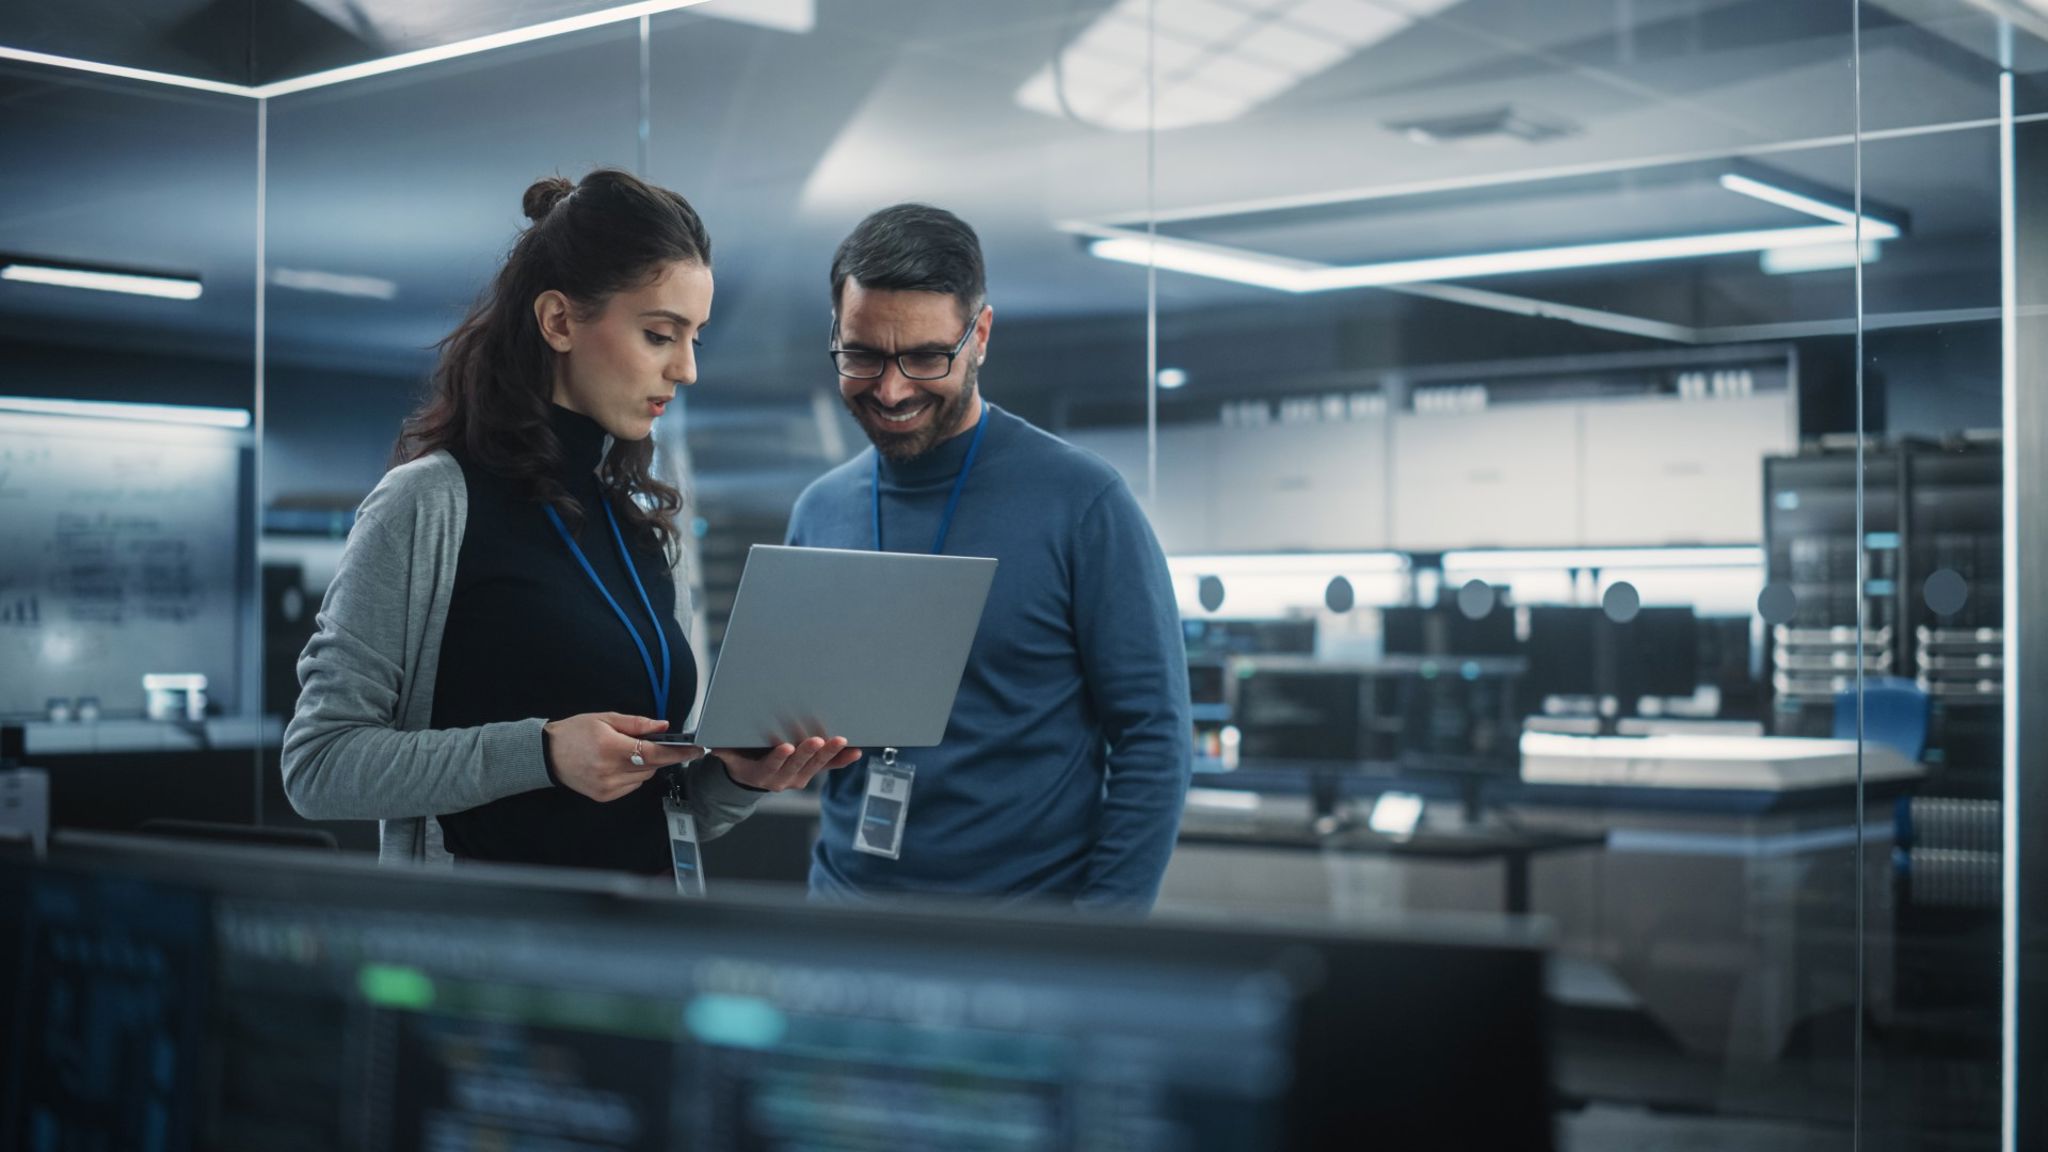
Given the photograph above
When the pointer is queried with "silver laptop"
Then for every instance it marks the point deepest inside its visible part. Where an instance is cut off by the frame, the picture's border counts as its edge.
(825, 642)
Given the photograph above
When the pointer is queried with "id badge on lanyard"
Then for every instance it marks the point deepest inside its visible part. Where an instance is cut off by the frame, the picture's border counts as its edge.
(883, 809)
(683, 848)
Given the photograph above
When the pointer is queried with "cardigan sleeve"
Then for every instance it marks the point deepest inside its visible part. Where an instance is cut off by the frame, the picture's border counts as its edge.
(358, 747)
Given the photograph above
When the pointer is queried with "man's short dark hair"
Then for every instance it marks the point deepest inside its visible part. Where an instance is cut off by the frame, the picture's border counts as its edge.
(913, 248)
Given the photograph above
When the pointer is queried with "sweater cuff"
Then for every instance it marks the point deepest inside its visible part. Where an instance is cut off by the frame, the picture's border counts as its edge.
(513, 759)
(711, 782)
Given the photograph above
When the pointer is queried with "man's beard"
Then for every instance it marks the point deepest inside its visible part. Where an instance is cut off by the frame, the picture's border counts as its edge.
(944, 421)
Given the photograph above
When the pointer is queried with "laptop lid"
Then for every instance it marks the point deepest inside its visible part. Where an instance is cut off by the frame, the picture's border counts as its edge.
(827, 642)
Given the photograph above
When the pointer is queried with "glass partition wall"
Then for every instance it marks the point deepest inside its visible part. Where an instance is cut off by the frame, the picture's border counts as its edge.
(128, 403)
(1587, 438)
(1514, 309)
(1932, 588)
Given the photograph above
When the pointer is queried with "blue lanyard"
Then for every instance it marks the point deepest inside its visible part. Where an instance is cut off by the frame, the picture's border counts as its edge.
(952, 502)
(660, 686)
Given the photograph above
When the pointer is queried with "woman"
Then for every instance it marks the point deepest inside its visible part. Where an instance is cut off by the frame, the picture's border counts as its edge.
(502, 628)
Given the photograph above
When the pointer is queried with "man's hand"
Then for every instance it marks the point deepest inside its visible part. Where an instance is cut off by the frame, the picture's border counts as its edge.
(788, 766)
(593, 753)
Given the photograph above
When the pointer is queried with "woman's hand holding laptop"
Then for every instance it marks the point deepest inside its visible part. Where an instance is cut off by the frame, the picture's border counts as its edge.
(606, 756)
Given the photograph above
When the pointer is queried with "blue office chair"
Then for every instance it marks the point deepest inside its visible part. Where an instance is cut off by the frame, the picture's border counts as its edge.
(1894, 715)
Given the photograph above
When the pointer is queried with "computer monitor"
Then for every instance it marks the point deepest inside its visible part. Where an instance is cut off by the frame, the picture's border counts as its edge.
(1581, 651)
(247, 998)
(1459, 717)
(1446, 631)
(1216, 639)
(1208, 683)
(1316, 714)
(1656, 654)
(1563, 651)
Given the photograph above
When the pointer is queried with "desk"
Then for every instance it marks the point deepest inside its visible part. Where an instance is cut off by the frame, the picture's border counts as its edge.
(1731, 913)
(1511, 846)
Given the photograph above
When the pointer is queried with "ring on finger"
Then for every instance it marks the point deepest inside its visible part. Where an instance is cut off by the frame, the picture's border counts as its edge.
(638, 760)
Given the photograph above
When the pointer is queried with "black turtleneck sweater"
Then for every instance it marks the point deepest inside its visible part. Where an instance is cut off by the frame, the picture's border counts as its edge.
(529, 635)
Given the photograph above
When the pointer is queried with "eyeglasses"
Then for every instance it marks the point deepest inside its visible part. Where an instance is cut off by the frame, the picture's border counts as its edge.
(923, 364)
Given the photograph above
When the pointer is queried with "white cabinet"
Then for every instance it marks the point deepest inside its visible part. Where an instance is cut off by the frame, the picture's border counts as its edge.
(1183, 514)
(1649, 471)
(1302, 487)
(1505, 477)
(1671, 472)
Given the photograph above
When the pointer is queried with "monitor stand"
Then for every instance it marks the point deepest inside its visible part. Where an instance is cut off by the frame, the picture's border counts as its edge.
(1327, 813)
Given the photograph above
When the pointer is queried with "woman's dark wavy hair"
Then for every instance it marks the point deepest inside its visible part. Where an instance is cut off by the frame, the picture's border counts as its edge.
(489, 395)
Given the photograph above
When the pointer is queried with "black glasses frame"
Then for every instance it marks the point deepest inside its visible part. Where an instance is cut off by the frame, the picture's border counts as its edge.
(838, 354)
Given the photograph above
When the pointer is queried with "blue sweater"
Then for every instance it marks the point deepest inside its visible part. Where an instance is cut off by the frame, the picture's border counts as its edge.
(1067, 759)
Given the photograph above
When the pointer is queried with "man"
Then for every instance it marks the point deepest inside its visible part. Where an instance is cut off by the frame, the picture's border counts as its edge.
(1066, 762)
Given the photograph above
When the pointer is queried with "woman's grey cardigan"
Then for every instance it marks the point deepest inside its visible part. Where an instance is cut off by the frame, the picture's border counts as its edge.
(360, 746)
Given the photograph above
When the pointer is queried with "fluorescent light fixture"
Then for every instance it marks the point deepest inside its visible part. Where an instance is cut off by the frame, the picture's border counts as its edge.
(1324, 564)
(1206, 62)
(1733, 556)
(134, 284)
(1263, 271)
(1873, 228)
(1211, 260)
(1171, 378)
(1710, 591)
(46, 60)
(790, 15)
(111, 410)
(1570, 256)
(470, 47)
(1818, 257)
(333, 283)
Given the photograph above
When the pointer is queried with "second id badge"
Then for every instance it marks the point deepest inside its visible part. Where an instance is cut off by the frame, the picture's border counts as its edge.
(880, 831)
(682, 846)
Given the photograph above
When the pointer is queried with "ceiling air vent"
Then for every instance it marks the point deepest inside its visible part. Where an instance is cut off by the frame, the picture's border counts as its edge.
(1490, 127)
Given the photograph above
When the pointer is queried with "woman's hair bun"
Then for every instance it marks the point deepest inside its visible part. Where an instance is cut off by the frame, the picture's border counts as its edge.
(542, 197)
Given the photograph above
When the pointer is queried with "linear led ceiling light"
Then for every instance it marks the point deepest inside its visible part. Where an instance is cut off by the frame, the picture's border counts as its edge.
(98, 280)
(1710, 556)
(1229, 564)
(1213, 61)
(785, 15)
(333, 283)
(1266, 271)
(121, 410)
(440, 52)
(1817, 258)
